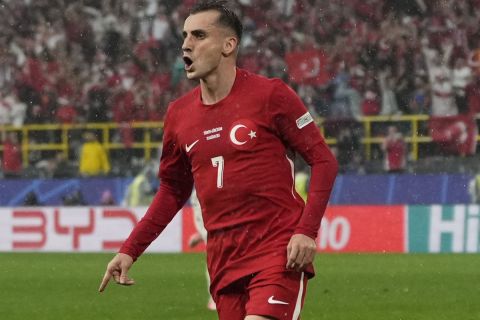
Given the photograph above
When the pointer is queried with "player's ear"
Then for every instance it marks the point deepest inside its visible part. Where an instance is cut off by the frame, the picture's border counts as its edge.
(229, 46)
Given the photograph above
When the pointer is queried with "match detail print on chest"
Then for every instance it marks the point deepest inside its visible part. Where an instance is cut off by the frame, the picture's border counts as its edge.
(195, 139)
(242, 134)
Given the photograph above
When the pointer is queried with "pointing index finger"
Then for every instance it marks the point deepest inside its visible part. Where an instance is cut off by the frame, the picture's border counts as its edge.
(105, 280)
(292, 256)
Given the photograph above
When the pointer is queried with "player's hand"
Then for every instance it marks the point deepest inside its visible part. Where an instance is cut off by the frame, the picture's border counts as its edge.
(118, 269)
(300, 252)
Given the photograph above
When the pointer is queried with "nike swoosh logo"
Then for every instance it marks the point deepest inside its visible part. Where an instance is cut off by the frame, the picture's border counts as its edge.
(189, 147)
(271, 300)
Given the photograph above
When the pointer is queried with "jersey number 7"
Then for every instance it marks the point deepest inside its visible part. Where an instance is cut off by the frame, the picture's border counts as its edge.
(218, 162)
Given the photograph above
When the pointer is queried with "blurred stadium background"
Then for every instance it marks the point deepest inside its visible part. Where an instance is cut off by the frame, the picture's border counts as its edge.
(394, 86)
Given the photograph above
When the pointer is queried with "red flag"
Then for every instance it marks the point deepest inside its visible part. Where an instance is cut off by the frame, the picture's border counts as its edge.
(308, 67)
(455, 134)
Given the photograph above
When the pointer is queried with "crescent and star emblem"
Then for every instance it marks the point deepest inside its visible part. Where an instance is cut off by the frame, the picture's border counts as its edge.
(233, 133)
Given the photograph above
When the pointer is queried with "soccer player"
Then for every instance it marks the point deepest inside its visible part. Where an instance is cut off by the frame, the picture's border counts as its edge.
(234, 136)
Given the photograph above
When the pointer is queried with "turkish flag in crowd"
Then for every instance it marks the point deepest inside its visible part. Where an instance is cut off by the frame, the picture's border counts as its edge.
(455, 134)
(308, 67)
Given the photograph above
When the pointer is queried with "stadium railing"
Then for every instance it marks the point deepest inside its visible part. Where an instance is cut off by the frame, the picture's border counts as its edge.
(60, 136)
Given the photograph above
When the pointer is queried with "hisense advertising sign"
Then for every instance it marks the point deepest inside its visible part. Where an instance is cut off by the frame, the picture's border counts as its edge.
(442, 229)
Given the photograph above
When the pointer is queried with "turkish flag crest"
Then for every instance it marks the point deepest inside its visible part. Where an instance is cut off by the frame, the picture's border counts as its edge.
(308, 67)
(455, 134)
(243, 134)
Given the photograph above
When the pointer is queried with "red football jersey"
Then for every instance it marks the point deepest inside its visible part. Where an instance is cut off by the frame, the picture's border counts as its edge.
(239, 154)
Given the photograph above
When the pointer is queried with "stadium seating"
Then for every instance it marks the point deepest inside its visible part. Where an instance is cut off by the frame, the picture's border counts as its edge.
(112, 67)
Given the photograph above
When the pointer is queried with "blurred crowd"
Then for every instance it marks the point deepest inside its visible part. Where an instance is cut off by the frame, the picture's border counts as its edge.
(110, 60)
(77, 61)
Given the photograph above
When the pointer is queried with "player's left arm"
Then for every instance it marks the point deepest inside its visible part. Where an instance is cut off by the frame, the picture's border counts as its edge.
(298, 130)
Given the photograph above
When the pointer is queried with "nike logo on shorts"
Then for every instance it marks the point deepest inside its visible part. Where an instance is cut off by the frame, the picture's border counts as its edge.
(271, 300)
(189, 147)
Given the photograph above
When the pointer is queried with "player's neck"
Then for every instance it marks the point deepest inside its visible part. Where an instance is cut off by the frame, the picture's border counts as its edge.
(218, 85)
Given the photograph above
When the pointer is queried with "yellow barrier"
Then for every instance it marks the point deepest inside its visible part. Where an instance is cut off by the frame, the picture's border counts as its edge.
(63, 133)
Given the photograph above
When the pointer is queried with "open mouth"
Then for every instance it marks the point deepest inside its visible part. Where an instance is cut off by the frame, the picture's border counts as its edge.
(188, 62)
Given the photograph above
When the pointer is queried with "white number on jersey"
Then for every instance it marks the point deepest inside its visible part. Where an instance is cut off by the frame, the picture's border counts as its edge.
(218, 162)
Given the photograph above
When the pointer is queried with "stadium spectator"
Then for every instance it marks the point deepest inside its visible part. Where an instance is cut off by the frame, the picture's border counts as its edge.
(347, 148)
(4, 113)
(75, 198)
(474, 189)
(302, 181)
(12, 166)
(440, 75)
(420, 100)
(96, 104)
(387, 85)
(370, 104)
(346, 99)
(31, 200)
(472, 92)
(141, 190)
(403, 87)
(93, 158)
(12, 111)
(211, 145)
(106, 199)
(66, 112)
(55, 167)
(62, 167)
(395, 151)
(462, 74)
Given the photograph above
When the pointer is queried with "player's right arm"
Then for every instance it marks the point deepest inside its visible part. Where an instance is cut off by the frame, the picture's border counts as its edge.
(175, 189)
(169, 199)
(167, 202)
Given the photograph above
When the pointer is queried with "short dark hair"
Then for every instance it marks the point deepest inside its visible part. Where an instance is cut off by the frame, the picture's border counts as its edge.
(228, 17)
